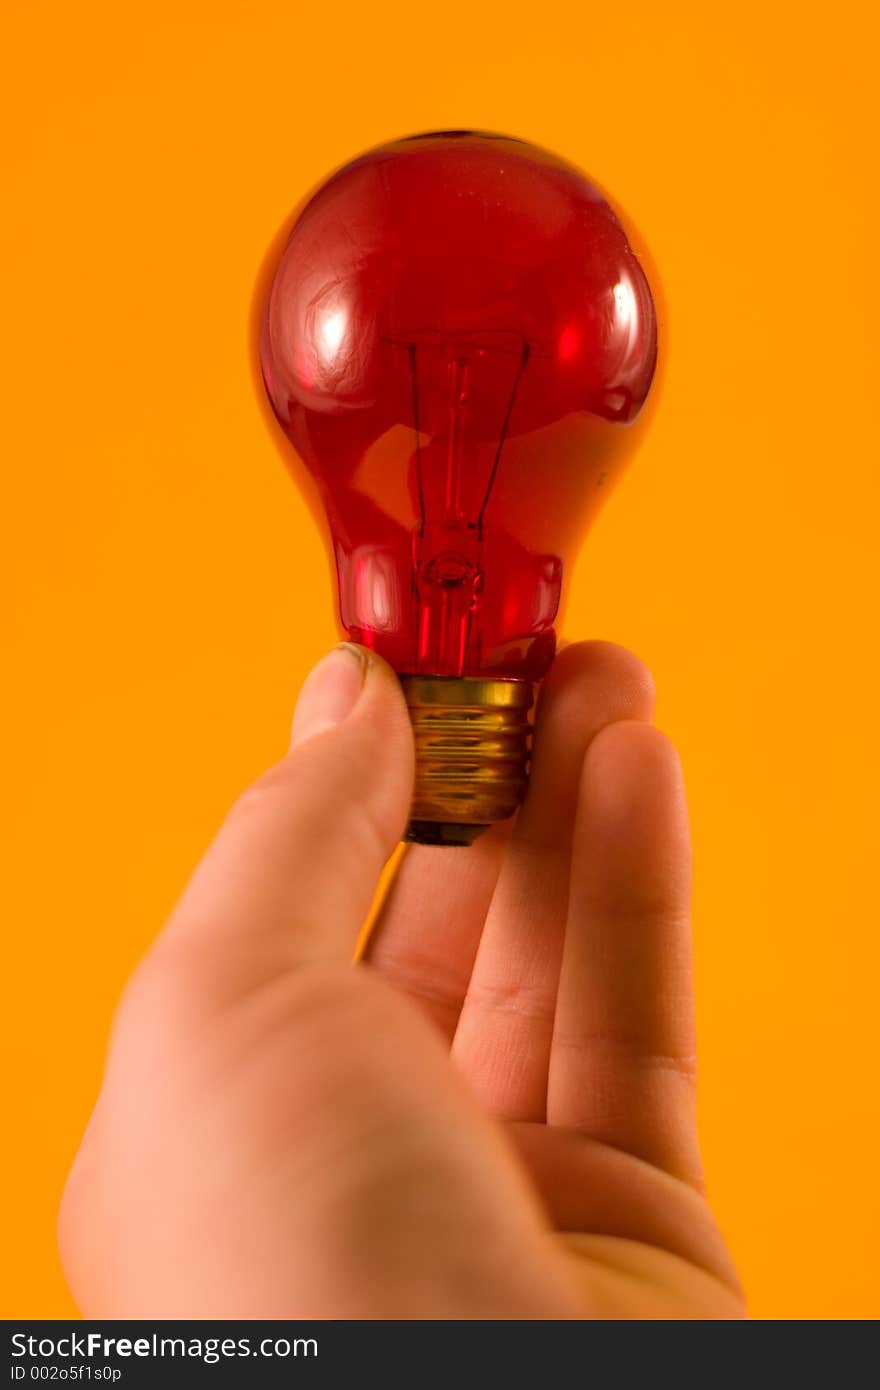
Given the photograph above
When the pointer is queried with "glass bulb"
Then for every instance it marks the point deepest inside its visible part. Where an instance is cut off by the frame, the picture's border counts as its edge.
(456, 342)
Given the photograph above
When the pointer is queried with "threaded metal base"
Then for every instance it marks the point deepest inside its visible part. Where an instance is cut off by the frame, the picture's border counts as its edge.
(472, 750)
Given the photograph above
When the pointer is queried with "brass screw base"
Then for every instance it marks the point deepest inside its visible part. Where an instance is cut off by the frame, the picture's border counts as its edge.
(472, 751)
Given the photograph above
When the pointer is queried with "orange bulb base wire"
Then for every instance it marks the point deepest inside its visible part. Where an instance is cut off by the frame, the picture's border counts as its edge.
(472, 739)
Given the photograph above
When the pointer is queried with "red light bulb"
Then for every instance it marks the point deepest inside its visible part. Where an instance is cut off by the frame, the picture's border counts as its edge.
(456, 341)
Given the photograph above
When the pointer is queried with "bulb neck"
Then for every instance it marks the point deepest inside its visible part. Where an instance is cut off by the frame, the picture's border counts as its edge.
(472, 752)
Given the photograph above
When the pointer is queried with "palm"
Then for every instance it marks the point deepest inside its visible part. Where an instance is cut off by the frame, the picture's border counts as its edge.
(640, 1242)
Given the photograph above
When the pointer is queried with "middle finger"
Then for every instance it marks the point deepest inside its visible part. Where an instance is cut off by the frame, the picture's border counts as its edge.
(505, 1029)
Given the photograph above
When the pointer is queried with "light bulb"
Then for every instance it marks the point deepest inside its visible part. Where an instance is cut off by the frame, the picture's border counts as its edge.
(457, 339)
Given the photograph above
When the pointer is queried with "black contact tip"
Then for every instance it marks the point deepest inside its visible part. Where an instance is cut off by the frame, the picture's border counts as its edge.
(435, 832)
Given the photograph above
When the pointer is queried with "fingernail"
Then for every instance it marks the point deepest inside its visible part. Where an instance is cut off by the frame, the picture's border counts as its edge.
(330, 692)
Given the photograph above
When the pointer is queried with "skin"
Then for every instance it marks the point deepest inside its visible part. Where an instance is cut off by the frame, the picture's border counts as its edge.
(490, 1116)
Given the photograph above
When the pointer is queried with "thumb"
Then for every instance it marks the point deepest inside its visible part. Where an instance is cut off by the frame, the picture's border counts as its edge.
(292, 872)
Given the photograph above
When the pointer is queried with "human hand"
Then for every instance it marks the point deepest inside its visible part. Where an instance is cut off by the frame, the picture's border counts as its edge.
(492, 1116)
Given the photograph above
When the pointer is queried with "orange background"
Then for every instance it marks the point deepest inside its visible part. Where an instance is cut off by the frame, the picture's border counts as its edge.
(165, 591)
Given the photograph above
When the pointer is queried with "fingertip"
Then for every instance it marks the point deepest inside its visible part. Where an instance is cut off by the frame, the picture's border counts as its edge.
(604, 667)
(367, 753)
(353, 685)
(630, 753)
(382, 718)
(632, 811)
(329, 692)
(592, 684)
